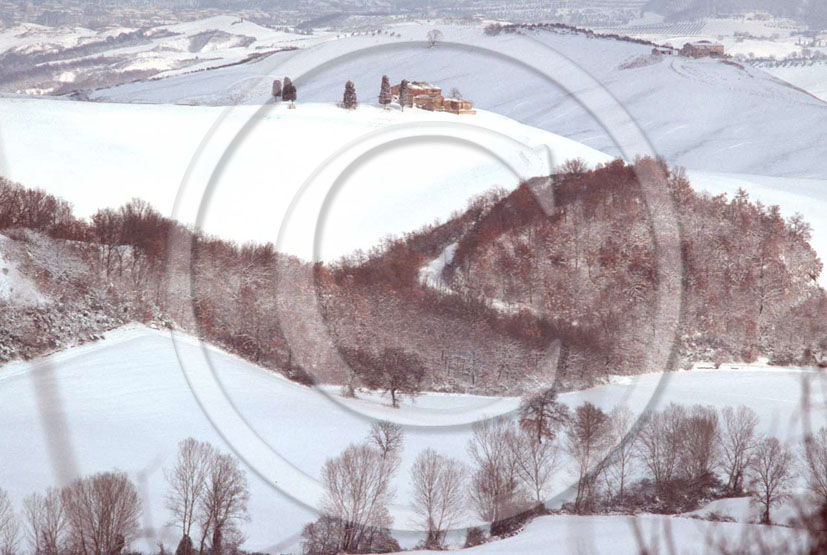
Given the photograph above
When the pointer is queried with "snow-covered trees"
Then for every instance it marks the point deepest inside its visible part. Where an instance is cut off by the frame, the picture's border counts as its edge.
(349, 99)
(439, 494)
(276, 91)
(772, 469)
(385, 92)
(102, 513)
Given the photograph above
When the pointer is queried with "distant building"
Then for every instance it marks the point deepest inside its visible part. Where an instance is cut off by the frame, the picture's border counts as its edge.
(663, 51)
(429, 97)
(702, 49)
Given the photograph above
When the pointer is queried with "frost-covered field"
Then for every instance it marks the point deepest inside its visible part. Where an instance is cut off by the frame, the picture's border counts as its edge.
(126, 403)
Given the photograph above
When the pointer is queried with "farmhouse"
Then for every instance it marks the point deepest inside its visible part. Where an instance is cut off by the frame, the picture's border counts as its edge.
(429, 97)
(702, 49)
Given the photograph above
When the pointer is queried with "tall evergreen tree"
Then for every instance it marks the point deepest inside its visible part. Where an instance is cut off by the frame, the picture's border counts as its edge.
(288, 91)
(277, 89)
(404, 95)
(385, 92)
(349, 100)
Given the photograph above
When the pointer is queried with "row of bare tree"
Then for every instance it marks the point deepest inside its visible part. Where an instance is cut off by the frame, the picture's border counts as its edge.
(672, 460)
(96, 515)
(100, 514)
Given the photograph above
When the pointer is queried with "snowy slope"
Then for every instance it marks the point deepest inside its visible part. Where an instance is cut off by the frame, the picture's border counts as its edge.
(703, 114)
(15, 288)
(70, 58)
(572, 535)
(125, 403)
(102, 155)
(810, 76)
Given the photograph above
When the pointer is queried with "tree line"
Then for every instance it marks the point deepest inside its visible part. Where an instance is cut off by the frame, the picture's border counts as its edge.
(670, 461)
(100, 514)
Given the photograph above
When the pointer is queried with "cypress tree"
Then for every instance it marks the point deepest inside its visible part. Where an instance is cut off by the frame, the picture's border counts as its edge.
(349, 100)
(385, 92)
(404, 95)
(288, 91)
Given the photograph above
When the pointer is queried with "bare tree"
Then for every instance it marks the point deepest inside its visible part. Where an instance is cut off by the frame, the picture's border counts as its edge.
(434, 36)
(388, 438)
(357, 493)
(659, 444)
(587, 440)
(701, 438)
(772, 470)
(439, 494)
(46, 522)
(9, 526)
(536, 462)
(736, 443)
(187, 484)
(620, 464)
(276, 91)
(223, 503)
(102, 512)
(495, 484)
(542, 415)
(815, 458)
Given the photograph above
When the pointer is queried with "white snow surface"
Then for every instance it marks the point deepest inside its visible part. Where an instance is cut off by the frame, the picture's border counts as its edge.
(390, 175)
(124, 403)
(586, 535)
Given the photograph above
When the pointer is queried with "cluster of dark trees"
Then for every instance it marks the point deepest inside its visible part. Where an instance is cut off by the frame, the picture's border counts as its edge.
(100, 514)
(587, 265)
(285, 91)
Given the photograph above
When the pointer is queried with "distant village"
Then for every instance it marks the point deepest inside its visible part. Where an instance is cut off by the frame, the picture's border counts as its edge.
(406, 94)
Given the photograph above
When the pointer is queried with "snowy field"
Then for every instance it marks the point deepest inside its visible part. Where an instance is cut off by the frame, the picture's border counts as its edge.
(124, 403)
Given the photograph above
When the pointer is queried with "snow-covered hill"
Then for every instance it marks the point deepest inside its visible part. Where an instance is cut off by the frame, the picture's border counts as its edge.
(392, 175)
(703, 114)
(48, 60)
(125, 403)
